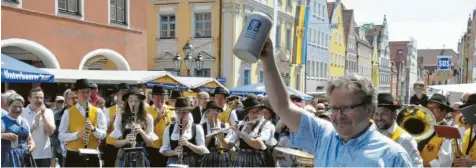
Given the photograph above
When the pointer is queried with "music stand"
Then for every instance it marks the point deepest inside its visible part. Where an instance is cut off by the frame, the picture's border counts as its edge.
(87, 153)
(133, 151)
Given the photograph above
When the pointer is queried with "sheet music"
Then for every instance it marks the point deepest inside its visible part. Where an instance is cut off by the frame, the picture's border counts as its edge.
(88, 151)
(177, 165)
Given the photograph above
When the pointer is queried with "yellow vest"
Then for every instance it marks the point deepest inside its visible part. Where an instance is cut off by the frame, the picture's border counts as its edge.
(396, 135)
(224, 117)
(430, 151)
(160, 126)
(76, 124)
(466, 140)
(111, 140)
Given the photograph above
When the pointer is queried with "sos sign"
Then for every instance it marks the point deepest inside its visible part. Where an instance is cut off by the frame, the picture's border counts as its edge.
(444, 63)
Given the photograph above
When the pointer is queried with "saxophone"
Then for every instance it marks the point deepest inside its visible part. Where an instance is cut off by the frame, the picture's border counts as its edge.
(86, 130)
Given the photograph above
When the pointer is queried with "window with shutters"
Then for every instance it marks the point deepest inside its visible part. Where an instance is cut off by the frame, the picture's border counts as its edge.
(203, 25)
(118, 11)
(167, 26)
(288, 38)
(69, 6)
(277, 41)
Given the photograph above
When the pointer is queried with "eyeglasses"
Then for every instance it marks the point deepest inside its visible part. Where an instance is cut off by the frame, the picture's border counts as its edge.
(321, 108)
(345, 109)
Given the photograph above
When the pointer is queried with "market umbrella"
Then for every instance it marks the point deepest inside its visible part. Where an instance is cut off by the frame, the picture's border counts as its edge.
(16, 71)
(260, 89)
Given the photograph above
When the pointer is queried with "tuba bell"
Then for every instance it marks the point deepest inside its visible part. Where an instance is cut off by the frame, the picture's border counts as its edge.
(417, 120)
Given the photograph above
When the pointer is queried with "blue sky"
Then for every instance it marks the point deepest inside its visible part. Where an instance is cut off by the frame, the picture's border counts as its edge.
(433, 23)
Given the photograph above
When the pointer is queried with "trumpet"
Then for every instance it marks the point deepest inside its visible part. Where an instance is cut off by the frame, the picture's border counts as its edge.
(241, 123)
(86, 130)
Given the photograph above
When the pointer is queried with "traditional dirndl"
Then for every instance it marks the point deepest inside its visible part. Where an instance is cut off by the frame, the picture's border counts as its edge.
(249, 158)
(190, 159)
(216, 159)
(15, 157)
(124, 159)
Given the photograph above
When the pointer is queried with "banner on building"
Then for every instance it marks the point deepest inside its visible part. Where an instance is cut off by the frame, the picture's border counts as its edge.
(300, 35)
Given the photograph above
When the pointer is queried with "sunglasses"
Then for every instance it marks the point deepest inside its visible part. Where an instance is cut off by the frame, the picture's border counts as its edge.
(321, 108)
(60, 101)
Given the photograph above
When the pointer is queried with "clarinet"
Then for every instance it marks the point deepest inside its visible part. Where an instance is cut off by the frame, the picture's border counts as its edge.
(134, 121)
(86, 130)
(180, 155)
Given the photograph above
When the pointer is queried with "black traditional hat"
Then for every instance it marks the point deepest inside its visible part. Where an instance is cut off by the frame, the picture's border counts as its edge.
(250, 103)
(82, 84)
(182, 104)
(267, 105)
(221, 90)
(123, 86)
(213, 105)
(159, 90)
(471, 101)
(175, 94)
(133, 91)
(441, 100)
(386, 100)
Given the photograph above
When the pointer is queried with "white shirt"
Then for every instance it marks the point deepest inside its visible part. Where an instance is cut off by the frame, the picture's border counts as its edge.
(266, 135)
(445, 155)
(199, 137)
(66, 136)
(149, 130)
(42, 140)
(408, 143)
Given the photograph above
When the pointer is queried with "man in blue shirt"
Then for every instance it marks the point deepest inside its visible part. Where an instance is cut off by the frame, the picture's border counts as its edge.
(349, 140)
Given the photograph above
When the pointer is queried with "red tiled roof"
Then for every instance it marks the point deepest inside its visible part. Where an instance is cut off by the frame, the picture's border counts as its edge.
(330, 10)
(347, 17)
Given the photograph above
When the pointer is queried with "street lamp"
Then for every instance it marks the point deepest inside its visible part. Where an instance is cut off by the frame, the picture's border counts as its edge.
(199, 61)
(188, 51)
(178, 62)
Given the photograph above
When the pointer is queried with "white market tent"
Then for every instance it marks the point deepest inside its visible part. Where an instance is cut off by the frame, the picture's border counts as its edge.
(460, 88)
(106, 76)
(195, 82)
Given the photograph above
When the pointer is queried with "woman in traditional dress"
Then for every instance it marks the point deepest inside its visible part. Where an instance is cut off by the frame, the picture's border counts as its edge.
(183, 141)
(218, 156)
(17, 143)
(251, 137)
(127, 131)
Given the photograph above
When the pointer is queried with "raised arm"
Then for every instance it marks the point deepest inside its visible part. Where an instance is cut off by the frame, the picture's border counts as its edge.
(277, 93)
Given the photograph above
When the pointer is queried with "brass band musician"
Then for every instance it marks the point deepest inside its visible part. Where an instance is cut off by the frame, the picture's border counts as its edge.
(437, 151)
(162, 115)
(384, 118)
(74, 127)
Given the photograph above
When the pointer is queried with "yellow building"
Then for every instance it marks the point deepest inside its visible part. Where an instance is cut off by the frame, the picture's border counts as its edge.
(173, 23)
(239, 73)
(337, 42)
(375, 63)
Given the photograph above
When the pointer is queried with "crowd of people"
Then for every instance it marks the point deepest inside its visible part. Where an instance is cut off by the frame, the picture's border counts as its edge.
(357, 127)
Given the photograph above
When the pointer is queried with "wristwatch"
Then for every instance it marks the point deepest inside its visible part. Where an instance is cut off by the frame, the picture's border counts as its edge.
(94, 130)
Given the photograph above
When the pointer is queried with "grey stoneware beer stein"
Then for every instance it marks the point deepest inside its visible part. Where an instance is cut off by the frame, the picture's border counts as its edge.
(253, 37)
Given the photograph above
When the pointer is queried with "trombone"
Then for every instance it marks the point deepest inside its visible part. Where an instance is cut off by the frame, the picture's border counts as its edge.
(241, 123)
